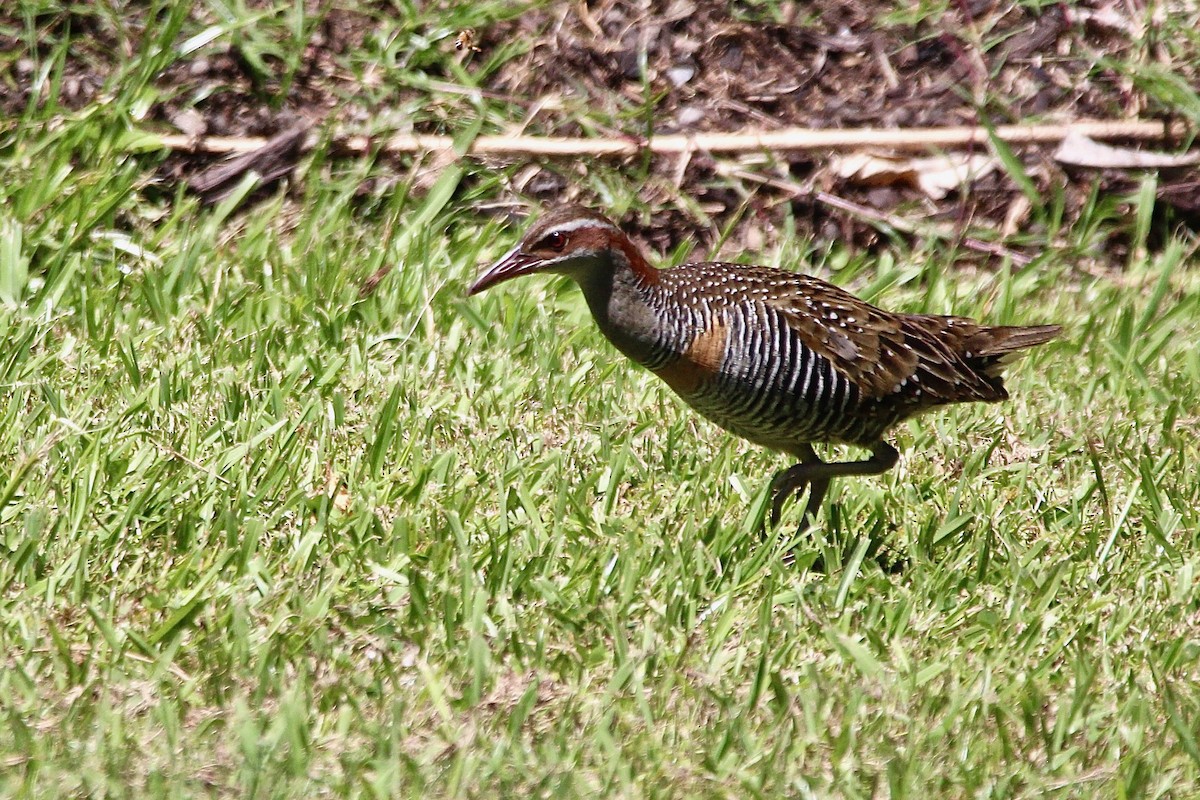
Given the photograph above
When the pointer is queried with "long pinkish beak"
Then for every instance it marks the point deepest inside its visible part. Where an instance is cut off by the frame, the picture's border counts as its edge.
(511, 265)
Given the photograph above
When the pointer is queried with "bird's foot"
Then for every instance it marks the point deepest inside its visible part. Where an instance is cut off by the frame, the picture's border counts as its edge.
(791, 482)
(783, 488)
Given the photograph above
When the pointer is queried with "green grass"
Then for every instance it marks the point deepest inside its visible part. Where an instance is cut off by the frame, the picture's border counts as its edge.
(263, 538)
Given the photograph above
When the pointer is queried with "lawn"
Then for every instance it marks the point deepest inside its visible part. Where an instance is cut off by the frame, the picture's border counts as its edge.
(266, 534)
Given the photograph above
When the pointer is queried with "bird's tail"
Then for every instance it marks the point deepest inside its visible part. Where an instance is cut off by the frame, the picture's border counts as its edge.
(992, 349)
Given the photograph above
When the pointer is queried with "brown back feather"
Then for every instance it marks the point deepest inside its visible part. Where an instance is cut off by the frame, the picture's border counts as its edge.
(926, 359)
(864, 343)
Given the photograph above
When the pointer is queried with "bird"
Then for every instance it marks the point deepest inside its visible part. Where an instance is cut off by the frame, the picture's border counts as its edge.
(782, 359)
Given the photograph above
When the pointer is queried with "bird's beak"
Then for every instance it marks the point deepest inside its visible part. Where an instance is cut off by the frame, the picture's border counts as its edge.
(511, 265)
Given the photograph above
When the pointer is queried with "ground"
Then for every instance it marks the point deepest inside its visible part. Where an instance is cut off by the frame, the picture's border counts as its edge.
(285, 514)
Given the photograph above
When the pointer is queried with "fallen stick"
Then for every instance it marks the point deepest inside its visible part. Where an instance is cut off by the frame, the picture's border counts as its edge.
(275, 158)
(789, 139)
(878, 218)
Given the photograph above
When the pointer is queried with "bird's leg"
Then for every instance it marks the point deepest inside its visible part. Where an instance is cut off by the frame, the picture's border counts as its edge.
(816, 474)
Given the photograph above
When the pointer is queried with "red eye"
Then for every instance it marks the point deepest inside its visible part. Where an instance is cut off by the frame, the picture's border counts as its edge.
(556, 241)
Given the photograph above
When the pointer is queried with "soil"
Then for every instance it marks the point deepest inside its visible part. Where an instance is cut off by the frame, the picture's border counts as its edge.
(589, 68)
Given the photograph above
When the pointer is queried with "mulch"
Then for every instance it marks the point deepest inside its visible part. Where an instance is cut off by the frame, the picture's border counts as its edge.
(590, 69)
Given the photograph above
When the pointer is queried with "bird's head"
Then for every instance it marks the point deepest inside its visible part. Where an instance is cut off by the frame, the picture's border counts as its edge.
(573, 240)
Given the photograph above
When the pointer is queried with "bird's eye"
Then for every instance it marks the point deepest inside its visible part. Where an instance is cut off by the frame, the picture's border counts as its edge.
(556, 241)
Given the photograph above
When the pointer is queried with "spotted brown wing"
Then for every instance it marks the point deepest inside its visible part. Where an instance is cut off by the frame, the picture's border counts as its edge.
(864, 343)
(919, 356)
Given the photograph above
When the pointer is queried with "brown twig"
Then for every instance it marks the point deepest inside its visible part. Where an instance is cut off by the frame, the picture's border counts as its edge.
(787, 139)
(879, 218)
(274, 158)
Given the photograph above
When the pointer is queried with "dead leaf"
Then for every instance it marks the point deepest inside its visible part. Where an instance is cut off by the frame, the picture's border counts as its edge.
(342, 500)
(190, 123)
(936, 176)
(1018, 212)
(1080, 151)
(1108, 18)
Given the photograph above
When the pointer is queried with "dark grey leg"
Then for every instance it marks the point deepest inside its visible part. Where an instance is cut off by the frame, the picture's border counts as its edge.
(816, 474)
